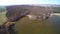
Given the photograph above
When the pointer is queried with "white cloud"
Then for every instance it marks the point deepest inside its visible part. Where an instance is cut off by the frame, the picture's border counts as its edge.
(12, 2)
(8, 2)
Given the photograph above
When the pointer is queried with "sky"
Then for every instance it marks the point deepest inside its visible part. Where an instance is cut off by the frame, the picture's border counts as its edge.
(20, 2)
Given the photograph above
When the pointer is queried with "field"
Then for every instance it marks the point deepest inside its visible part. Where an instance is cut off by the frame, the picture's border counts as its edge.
(2, 17)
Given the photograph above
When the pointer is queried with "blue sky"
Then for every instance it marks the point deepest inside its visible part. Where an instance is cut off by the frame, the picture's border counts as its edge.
(14, 2)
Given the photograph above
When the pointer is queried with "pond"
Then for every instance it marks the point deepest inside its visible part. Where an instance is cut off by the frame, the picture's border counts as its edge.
(55, 19)
(50, 26)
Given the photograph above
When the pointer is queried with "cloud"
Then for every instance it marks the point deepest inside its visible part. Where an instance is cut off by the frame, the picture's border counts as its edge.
(12, 2)
(7, 2)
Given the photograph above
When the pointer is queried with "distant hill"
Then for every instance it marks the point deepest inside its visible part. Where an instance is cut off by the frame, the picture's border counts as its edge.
(48, 5)
(55, 8)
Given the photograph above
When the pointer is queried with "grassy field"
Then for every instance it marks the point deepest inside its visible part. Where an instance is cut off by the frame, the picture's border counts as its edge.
(2, 17)
(27, 26)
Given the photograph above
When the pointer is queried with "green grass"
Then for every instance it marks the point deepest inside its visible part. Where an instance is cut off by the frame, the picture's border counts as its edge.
(28, 26)
(2, 17)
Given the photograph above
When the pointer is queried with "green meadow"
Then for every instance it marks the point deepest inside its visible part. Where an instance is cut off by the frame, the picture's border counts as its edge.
(2, 17)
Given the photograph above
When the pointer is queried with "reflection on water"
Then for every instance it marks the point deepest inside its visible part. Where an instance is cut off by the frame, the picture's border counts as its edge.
(55, 19)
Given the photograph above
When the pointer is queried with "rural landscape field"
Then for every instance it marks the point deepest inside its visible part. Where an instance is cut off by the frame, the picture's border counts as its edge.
(29, 26)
